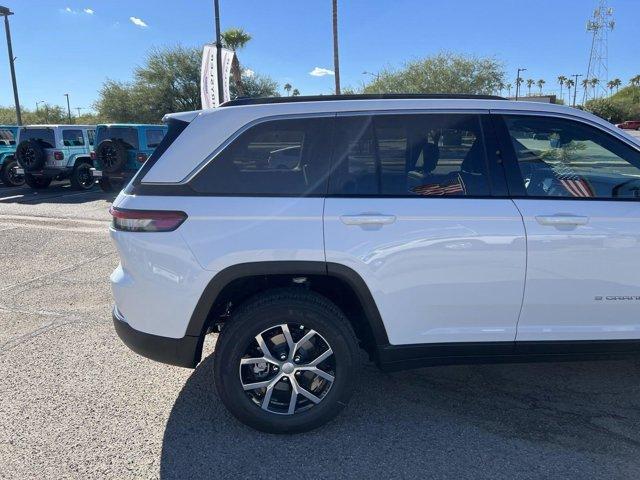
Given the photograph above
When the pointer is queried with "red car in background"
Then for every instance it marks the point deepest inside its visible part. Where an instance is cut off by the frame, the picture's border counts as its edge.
(630, 125)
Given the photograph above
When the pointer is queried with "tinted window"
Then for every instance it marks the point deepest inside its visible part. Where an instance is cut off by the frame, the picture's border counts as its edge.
(72, 138)
(6, 137)
(154, 137)
(43, 135)
(286, 157)
(563, 158)
(409, 155)
(127, 135)
(91, 134)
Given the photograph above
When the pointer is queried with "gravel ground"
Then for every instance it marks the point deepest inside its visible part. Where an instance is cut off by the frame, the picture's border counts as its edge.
(76, 403)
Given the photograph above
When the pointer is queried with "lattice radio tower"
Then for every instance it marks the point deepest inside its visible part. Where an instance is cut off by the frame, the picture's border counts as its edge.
(599, 25)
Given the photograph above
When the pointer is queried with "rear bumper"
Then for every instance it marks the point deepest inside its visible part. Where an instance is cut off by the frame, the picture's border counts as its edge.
(45, 172)
(181, 352)
(124, 175)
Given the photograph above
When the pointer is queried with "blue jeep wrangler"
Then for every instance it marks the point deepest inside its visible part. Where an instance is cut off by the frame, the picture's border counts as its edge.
(8, 142)
(121, 150)
(56, 152)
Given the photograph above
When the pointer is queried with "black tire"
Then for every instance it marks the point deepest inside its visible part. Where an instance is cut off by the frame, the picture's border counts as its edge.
(81, 178)
(112, 154)
(7, 176)
(266, 312)
(37, 183)
(30, 155)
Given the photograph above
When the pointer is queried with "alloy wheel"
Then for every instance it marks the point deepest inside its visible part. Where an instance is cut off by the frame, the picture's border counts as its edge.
(287, 369)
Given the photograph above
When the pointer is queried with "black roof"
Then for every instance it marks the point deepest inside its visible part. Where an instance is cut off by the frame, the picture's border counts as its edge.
(374, 96)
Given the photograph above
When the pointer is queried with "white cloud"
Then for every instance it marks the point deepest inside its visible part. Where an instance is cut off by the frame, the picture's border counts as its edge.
(69, 10)
(138, 22)
(248, 72)
(320, 72)
(88, 11)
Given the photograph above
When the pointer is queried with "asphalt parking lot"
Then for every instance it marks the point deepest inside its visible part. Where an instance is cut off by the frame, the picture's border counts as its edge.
(76, 403)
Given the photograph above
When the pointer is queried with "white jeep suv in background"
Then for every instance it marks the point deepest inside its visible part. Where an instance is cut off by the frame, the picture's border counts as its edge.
(425, 230)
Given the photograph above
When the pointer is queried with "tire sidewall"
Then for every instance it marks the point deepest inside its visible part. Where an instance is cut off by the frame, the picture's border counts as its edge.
(76, 176)
(40, 157)
(233, 346)
(6, 173)
(121, 155)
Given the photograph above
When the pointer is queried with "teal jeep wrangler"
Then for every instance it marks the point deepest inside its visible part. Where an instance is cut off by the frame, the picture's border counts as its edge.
(56, 152)
(8, 141)
(121, 149)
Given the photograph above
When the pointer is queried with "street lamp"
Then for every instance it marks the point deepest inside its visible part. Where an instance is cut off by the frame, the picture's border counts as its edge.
(38, 103)
(5, 12)
(374, 75)
(68, 108)
(518, 81)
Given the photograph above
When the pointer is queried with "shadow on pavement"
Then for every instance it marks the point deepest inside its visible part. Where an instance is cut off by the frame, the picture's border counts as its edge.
(60, 193)
(569, 420)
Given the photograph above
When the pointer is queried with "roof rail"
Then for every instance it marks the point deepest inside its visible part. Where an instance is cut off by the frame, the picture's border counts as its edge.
(373, 96)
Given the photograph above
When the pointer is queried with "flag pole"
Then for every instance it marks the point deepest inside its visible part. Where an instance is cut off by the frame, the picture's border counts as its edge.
(218, 53)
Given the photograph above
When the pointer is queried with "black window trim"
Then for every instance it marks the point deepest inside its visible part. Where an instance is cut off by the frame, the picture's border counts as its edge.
(510, 159)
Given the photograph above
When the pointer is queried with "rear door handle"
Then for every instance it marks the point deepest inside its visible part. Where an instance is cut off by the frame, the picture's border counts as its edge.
(368, 219)
(562, 220)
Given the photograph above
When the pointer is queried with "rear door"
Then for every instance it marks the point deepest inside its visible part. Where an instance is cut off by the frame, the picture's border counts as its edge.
(578, 188)
(417, 207)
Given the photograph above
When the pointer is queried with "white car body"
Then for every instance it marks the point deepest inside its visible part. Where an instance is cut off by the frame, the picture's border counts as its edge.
(441, 271)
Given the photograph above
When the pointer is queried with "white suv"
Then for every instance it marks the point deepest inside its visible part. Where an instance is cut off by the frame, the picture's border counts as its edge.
(424, 230)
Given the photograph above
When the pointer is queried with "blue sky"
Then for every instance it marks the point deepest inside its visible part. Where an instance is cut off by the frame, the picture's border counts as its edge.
(74, 45)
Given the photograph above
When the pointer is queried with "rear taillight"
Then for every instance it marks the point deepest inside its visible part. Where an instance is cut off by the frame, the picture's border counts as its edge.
(146, 220)
(93, 155)
(57, 155)
(141, 157)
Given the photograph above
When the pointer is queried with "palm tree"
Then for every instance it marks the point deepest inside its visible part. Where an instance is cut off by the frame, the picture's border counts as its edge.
(540, 84)
(288, 87)
(594, 83)
(616, 83)
(508, 87)
(519, 82)
(561, 80)
(235, 39)
(530, 83)
(635, 81)
(570, 84)
(296, 92)
(611, 86)
(336, 61)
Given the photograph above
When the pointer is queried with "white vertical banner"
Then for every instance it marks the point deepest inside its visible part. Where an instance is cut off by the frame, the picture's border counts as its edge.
(209, 76)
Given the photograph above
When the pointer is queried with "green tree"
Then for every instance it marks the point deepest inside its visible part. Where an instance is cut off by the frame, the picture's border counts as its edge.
(608, 108)
(235, 39)
(530, 82)
(255, 86)
(540, 84)
(561, 81)
(616, 82)
(296, 92)
(570, 83)
(288, 87)
(508, 86)
(635, 81)
(441, 73)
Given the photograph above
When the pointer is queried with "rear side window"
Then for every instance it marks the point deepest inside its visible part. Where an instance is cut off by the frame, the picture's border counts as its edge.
(72, 138)
(279, 157)
(91, 135)
(127, 135)
(45, 136)
(154, 137)
(564, 158)
(7, 137)
(410, 155)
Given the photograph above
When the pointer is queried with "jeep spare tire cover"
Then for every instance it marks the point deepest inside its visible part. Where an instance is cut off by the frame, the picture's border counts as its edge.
(30, 155)
(112, 154)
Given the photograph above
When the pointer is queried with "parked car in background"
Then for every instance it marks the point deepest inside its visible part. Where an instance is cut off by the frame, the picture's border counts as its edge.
(425, 230)
(56, 152)
(121, 149)
(8, 141)
(629, 125)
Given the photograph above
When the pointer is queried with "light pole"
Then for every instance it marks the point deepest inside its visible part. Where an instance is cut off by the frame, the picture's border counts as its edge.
(575, 87)
(79, 108)
(5, 12)
(518, 82)
(216, 8)
(38, 103)
(336, 60)
(68, 108)
(374, 75)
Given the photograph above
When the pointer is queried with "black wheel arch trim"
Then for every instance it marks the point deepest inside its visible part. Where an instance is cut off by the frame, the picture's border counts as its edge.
(198, 322)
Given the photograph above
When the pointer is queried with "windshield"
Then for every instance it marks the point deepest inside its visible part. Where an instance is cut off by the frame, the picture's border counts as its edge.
(7, 137)
(44, 135)
(128, 135)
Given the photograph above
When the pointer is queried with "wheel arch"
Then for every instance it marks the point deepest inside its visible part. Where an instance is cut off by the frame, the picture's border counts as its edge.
(338, 283)
(82, 159)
